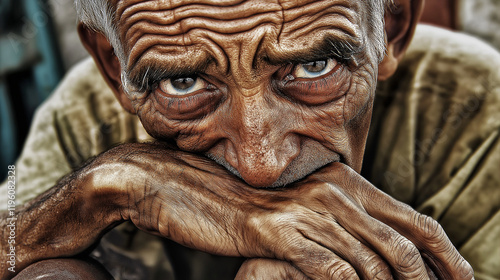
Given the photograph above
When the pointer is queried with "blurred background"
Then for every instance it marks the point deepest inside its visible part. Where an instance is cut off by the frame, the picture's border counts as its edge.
(39, 43)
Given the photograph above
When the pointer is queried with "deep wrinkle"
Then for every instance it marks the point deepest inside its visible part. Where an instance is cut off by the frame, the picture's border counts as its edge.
(190, 107)
(155, 35)
(341, 51)
(235, 125)
(324, 219)
(317, 91)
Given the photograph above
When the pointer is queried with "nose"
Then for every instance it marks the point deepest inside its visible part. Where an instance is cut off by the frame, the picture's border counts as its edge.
(262, 146)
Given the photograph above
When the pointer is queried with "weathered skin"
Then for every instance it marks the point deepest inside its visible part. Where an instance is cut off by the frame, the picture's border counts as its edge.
(254, 110)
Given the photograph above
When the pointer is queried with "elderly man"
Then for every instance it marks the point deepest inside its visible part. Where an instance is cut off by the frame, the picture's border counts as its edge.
(261, 111)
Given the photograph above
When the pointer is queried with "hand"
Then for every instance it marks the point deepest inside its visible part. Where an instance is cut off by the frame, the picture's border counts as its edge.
(324, 230)
(334, 224)
(408, 260)
(268, 269)
(413, 245)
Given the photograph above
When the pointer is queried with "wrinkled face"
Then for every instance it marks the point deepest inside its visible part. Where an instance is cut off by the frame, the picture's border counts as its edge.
(272, 91)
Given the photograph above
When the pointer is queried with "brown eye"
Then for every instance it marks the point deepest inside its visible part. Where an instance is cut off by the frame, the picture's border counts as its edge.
(183, 86)
(314, 69)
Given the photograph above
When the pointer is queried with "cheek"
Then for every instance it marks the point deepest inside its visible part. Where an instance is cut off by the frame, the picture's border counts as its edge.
(326, 125)
(360, 94)
(332, 124)
(154, 122)
(339, 124)
(194, 136)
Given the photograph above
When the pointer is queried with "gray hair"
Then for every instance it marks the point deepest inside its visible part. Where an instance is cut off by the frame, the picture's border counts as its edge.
(100, 16)
(376, 11)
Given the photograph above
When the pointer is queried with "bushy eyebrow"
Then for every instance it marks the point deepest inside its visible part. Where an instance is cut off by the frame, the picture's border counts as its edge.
(148, 73)
(330, 47)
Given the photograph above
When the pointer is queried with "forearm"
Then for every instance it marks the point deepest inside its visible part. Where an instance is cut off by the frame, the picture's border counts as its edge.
(64, 221)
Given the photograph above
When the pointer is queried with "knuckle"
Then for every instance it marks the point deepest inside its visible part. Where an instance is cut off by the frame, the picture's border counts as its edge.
(383, 275)
(256, 269)
(262, 223)
(319, 190)
(407, 254)
(466, 270)
(341, 270)
(377, 269)
(257, 231)
(430, 229)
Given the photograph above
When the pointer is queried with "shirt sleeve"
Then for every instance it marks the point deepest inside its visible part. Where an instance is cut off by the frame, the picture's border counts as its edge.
(81, 119)
(434, 142)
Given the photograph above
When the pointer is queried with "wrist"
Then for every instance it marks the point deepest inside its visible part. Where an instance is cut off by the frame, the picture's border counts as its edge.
(62, 222)
(103, 193)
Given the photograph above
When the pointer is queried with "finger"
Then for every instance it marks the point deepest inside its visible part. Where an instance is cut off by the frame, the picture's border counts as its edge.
(317, 262)
(365, 261)
(426, 233)
(436, 247)
(399, 252)
(281, 238)
(402, 255)
(268, 269)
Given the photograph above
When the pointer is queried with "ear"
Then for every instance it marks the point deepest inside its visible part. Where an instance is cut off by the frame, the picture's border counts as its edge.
(104, 56)
(400, 23)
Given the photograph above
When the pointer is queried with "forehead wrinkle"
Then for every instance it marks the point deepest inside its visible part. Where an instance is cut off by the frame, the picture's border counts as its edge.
(324, 13)
(244, 10)
(177, 60)
(172, 4)
(143, 35)
(163, 15)
(127, 9)
(216, 26)
(146, 43)
(322, 25)
(301, 5)
(140, 42)
(308, 36)
(146, 25)
(178, 30)
(174, 23)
